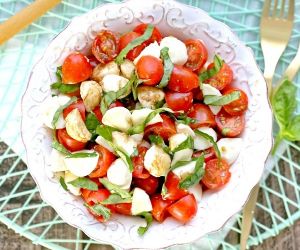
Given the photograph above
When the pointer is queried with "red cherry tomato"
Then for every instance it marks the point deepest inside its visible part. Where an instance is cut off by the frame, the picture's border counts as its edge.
(179, 101)
(164, 129)
(239, 106)
(197, 94)
(149, 184)
(138, 164)
(159, 207)
(216, 174)
(156, 35)
(76, 68)
(182, 80)
(85, 194)
(115, 104)
(93, 61)
(223, 78)
(68, 142)
(150, 69)
(98, 113)
(185, 209)
(172, 185)
(121, 208)
(228, 125)
(197, 54)
(203, 116)
(75, 105)
(127, 38)
(106, 158)
(208, 154)
(105, 46)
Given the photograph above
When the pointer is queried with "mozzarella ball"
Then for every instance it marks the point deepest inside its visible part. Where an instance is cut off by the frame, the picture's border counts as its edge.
(177, 49)
(152, 49)
(124, 142)
(102, 70)
(114, 83)
(91, 93)
(119, 174)
(184, 129)
(230, 148)
(118, 117)
(71, 177)
(207, 89)
(200, 143)
(149, 96)
(139, 116)
(140, 202)
(127, 68)
(57, 161)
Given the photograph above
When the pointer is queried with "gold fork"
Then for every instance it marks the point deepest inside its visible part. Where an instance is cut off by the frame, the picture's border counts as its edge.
(275, 31)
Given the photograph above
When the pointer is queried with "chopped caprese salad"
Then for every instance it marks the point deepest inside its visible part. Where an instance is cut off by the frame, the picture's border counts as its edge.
(143, 123)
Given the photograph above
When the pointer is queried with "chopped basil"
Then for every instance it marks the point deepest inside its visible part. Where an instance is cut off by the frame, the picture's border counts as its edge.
(159, 104)
(112, 96)
(148, 217)
(211, 140)
(99, 210)
(196, 176)
(168, 67)
(115, 189)
(126, 158)
(180, 164)
(116, 199)
(218, 63)
(85, 183)
(65, 88)
(59, 73)
(105, 132)
(187, 143)
(60, 110)
(135, 84)
(63, 183)
(222, 100)
(136, 42)
(91, 122)
(184, 119)
(59, 147)
(156, 139)
(82, 155)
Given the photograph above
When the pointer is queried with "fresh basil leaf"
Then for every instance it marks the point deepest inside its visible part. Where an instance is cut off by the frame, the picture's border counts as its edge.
(65, 88)
(292, 131)
(91, 122)
(222, 100)
(159, 104)
(116, 199)
(59, 73)
(82, 155)
(136, 42)
(85, 183)
(56, 145)
(284, 103)
(218, 63)
(184, 119)
(188, 143)
(115, 189)
(196, 176)
(168, 67)
(124, 157)
(63, 183)
(211, 140)
(136, 82)
(180, 164)
(156, 139)
(149, 219)
(60, 110)
(105, 132)
(109, 97)
(99, 210)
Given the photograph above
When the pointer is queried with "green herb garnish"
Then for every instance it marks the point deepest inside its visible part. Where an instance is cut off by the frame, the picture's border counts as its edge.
(63, 183)
(85, 183)
(116, 199)
(115, 189)
(168, 67)
(222, 100)
(99, 210)
(218, 63)
(148, 217)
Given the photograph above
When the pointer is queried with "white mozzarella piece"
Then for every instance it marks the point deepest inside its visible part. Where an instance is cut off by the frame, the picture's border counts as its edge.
(124, 142)
(71, 177)
(176, 140)
(230, 148)
(118, 117)
(104, 143)
(185, 170)
(139, 116)
(184, 129)
(82, 166)
(152, 49)
(114, 83)
(57, 161)
(138, 138)
(140, 202)
(157, 161)
(177, 49)
(182, 155)
(196, 190)
(201, 143)
(119, 174)
(49, 108)
(207, 89)
(149, 96)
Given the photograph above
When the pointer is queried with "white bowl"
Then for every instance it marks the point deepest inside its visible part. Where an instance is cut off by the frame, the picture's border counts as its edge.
(182, 21)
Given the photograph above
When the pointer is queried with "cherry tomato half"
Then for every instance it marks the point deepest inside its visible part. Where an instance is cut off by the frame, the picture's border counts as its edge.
(228, 125)
(197, 54)
(149, 184)
(159, 207)
(179, 101)
(150, 69)
(138, 164)
(98, 113)
(75, 105)
(203, 116)
(239, 106)
(105, 46)
(197, 94)
(222, 78)
(115, 104)
(127, 38)
(216, 174)
(68, 142)
(156, 35)
(182, 80)
(208, 154)
(76, 68)
(185, 209)
(172, 185)
(106, 158)
(164, 129)
(121, 208)
(93, 61)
